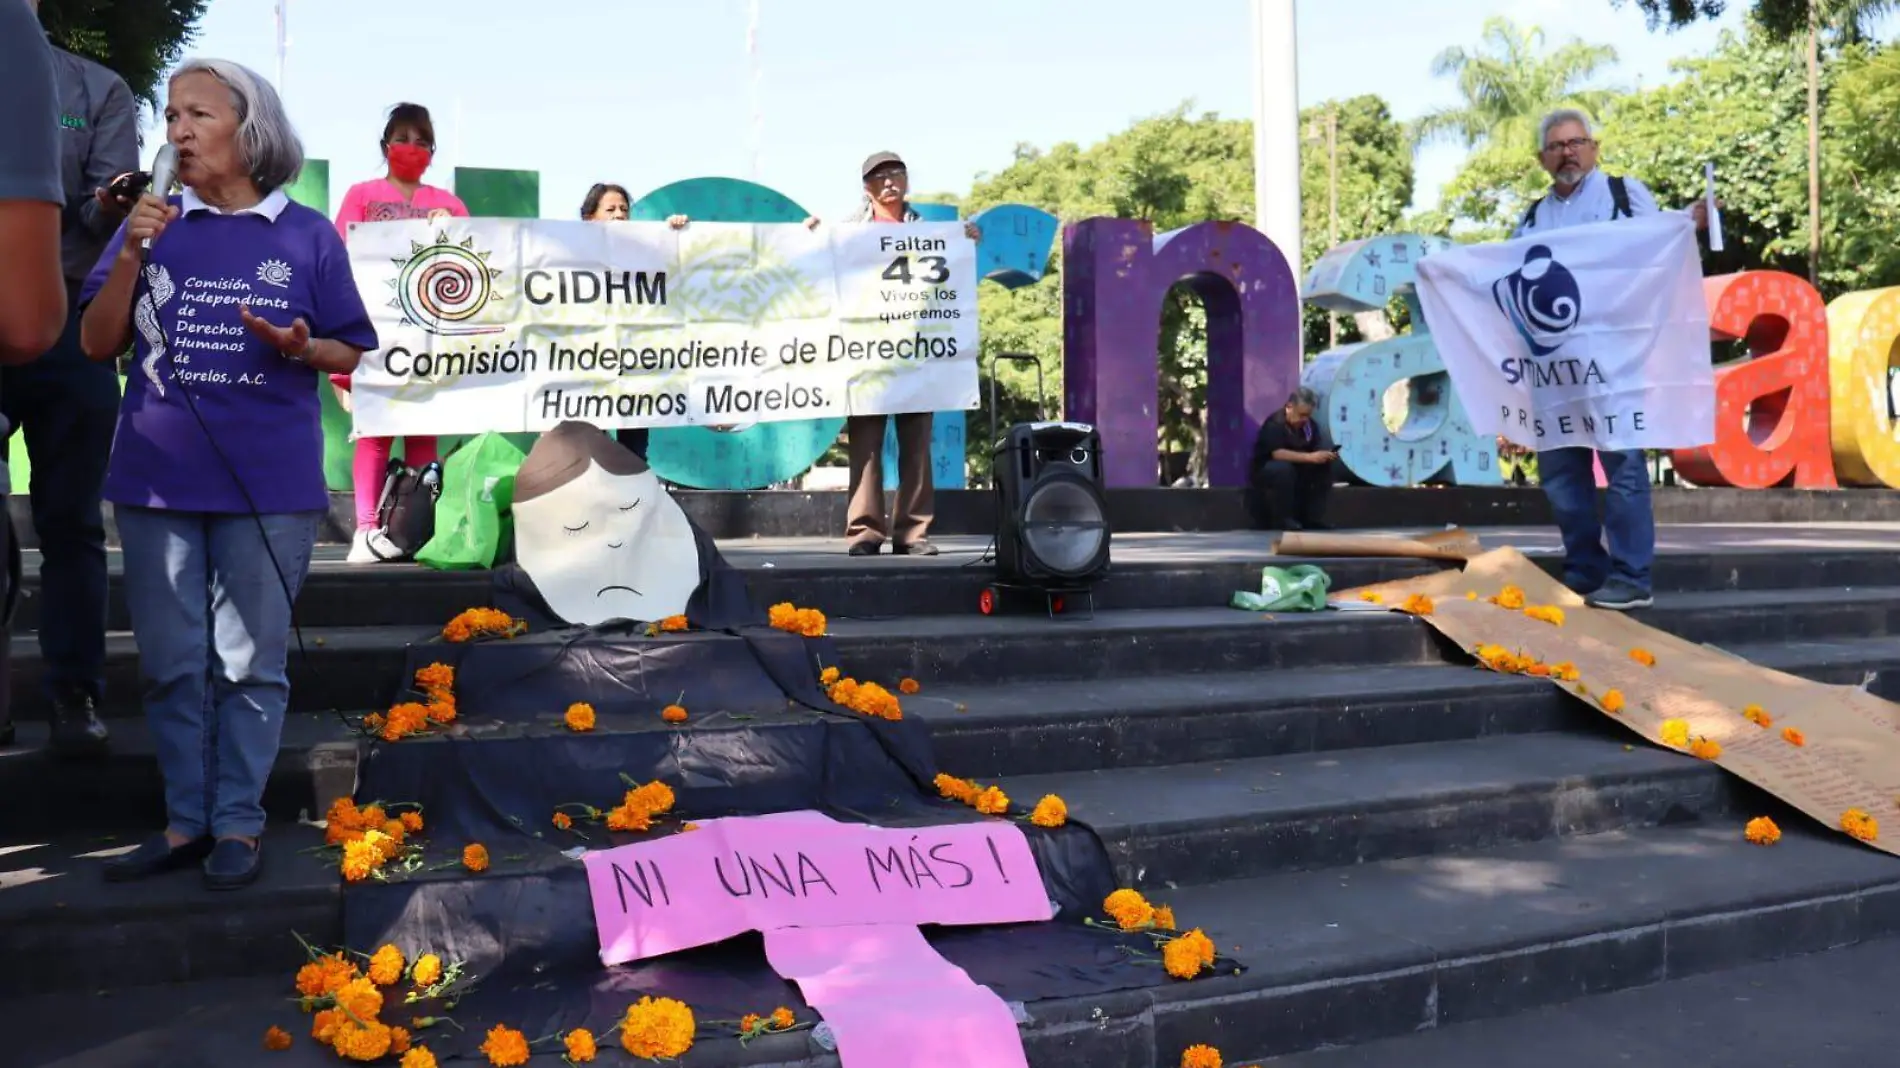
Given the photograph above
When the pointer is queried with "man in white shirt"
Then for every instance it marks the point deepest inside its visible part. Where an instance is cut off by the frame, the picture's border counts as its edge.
(1580, 194)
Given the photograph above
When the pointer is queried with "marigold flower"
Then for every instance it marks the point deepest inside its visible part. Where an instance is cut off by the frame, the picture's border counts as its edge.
(403, 720)
(579, 716)
(398, 1040)
(1612, 701)
(505, 1046)
(622, 818)
(750, 1023)
(411, 821)
(670, 623)
(1164, 918)
(785, 616)
(1643, 657)
(418, 1057)
(1858, 824)
(1546, 613)
(828, 676)
(362, 857)
(657, 1027)
(386, 965)
(866, 697)
(1564, 672)
(908, 685)
(1762, 831)
(782, 1018)
(1471, 595)
(366, 1041)
(323, 977)
(1509, 597)
(359, 998)
(1051, 811)
(1793, 737)
(673, 713)
(428, 970)
(1129, 909)
(992, 801)
(276, 1038)
(1200, 1057)
(563, 821)
(482, 623)
(962, 791)
(1370, 597)
(1417, 604)
(1706, 748)
(1189, 955)
(1539, 671)
(1674, 733)
(475, 857)
(1756, 715)
(580, 1041)
(323, 1026)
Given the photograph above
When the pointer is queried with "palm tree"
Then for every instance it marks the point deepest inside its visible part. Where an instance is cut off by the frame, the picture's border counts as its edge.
(1509, 85)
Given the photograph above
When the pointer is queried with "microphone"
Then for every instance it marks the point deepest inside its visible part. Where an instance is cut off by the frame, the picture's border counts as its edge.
(164, 173)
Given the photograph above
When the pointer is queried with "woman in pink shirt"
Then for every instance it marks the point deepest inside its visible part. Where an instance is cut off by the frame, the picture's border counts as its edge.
(408, 145)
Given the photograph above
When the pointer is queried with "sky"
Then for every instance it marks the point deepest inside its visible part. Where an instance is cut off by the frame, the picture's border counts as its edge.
(646, 92)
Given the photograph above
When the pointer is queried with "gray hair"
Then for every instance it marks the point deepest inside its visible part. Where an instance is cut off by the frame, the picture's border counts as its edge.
(1558, 118)
(267, 143)
(1303, 398)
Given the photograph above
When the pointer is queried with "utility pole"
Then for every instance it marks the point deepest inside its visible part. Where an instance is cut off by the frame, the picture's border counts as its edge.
(283, 44)
(1276, 130)
(1814, 143)
(1332, 205)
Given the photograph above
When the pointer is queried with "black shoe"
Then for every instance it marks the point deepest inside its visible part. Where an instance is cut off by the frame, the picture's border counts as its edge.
(233, 863)
(863, 548)
(1619, 597)
(155, 856)
(920, 547)
(77, 732)
(7, 735)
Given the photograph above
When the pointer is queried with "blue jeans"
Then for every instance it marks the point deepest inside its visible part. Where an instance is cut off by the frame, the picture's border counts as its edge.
(1570, 483)
(213, 630)
(67, 406)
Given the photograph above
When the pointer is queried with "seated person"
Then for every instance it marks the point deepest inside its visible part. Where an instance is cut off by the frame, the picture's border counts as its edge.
(1291, 473)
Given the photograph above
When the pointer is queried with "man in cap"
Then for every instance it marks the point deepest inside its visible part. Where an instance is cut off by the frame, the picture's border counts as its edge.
(886, 200)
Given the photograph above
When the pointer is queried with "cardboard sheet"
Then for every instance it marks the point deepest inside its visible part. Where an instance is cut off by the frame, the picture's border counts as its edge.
(1452, 544)
(1851, 755)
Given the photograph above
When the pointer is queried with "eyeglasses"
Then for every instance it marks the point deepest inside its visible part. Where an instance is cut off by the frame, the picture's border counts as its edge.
(1575, 144)
(887, 177)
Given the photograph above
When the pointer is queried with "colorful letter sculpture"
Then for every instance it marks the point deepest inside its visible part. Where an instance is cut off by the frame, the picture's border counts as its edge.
(1862, 330)
(1014, 249)
(1115, 276)
(1436, 441)
(1771, 415)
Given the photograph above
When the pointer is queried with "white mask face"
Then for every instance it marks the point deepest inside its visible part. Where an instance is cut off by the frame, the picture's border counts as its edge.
(607, 546)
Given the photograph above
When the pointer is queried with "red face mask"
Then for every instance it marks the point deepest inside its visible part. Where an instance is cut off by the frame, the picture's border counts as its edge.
(407, 161)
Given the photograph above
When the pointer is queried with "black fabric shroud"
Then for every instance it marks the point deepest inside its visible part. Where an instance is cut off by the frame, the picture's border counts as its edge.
(762, 737)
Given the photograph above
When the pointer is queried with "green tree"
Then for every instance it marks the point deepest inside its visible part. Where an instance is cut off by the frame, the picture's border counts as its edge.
(1356, 154)
(1780, 19)
(1744, 108)
(138, 39)
(1173, 169)
(1507, 85)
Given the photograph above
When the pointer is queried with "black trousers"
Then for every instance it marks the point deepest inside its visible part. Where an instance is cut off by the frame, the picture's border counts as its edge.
(634, 439)
(1281, 491)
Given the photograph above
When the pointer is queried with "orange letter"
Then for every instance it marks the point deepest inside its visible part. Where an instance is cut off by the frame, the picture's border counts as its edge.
(1862, 329)
(1771, 410)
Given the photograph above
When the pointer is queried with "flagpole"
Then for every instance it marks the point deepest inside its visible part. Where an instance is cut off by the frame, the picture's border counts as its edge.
(1276, 127)
(758, 87)
(283, 44)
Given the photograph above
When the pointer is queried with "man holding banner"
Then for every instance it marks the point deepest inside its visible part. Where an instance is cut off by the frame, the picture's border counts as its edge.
(1585, 337)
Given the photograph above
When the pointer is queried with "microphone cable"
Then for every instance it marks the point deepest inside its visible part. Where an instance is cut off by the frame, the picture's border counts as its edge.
(146, 277)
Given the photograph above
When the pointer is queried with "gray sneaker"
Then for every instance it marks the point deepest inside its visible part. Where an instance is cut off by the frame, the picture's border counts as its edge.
(1619, 597)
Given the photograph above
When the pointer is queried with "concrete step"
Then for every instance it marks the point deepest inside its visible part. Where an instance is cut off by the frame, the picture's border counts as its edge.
(1152, 573)
(1204, 822)
(1334, 957)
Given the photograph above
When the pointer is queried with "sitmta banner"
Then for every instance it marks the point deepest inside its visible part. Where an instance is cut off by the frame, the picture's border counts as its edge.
(490, 324)
(1591, 336)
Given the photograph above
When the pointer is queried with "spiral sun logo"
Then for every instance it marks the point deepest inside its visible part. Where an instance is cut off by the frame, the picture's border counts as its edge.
(274, 273)
(442, 285)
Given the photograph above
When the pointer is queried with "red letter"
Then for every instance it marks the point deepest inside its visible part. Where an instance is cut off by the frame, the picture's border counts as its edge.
(1771, 410)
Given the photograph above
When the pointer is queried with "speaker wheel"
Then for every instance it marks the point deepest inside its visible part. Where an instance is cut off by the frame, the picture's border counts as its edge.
(986, 601)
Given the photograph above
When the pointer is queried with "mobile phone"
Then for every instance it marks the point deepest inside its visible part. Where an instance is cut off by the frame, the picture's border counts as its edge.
(127, 187)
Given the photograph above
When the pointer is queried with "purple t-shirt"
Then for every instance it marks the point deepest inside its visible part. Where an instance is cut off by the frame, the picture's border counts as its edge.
(262, 408)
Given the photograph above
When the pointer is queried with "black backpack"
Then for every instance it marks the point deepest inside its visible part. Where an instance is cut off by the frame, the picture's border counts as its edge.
(1619, 204)
(406, 512)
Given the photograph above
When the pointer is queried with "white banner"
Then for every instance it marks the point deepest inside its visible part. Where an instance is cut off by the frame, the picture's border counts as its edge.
(1594, 335)
(493, 324)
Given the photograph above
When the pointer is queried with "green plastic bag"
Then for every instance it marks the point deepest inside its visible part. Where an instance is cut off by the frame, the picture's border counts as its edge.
(1301, 588)
(472, 517)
